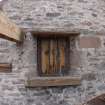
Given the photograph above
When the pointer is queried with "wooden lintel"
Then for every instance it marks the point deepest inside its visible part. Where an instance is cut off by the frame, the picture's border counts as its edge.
(5, 67)
(8, 30)
(53, 81)
(54, 34)
(51, 33)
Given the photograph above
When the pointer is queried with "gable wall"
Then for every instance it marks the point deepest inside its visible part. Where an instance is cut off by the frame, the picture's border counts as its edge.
(88, 50)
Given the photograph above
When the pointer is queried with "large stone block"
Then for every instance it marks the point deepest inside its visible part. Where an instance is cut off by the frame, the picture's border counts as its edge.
(89, 42)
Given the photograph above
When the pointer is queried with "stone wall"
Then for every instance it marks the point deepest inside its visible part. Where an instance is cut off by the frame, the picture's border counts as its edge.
(88, 50)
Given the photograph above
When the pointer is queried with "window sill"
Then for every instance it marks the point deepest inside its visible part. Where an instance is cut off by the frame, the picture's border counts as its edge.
(53, 81)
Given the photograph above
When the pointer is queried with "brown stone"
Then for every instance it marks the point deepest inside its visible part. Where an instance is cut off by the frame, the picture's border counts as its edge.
(86, 23)
(5, 67)
(89, 42)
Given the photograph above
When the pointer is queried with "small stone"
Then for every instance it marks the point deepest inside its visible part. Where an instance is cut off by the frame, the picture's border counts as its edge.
(63, 102)
(86, 23)
(101, 66)
(57, 90)
(41, 93)
(95, 15)
(53, 14)
(30, 100)
(39, 104)
(102, 87)
(82, 1)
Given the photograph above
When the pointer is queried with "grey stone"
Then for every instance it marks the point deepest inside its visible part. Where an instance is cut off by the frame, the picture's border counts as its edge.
(57, 90)
(102, 87)
(39, 103)
(41, 93)
(83, 1)
(63, 102)
(53, 14)
(30, 100)
(95, 15)
(89, 76)
(101, 66)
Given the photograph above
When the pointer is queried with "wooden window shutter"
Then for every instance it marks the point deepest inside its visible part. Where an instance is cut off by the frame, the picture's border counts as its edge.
(8, 30)
(54, 56)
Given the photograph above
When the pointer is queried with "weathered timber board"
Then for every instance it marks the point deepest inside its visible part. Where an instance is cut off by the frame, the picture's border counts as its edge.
(53, 81)
(45, 57)
(8, 30)
(54, 56)
(5, 67)
(53, 34)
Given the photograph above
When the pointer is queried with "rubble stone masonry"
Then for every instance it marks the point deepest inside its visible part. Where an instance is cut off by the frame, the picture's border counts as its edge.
(87, 50)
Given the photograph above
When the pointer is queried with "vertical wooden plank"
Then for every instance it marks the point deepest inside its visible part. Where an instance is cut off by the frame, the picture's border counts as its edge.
(51, 56)
(54, 56)
(67, 56)
(48, 70)
(58, 57)
(39, 57)
(62, 44)
(45, 56)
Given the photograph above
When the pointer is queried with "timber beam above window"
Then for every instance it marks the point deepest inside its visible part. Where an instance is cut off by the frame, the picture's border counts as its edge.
(8, 30)
(54, 34)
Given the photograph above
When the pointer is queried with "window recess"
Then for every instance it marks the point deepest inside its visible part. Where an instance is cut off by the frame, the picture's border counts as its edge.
(53, 60)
